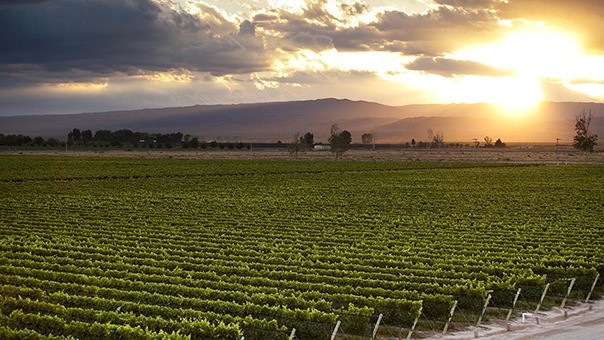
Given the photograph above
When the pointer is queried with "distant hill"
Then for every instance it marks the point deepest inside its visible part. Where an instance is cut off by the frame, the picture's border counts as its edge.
(270, 122)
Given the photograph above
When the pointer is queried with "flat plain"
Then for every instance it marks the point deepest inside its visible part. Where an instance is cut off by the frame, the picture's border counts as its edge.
(177, 245)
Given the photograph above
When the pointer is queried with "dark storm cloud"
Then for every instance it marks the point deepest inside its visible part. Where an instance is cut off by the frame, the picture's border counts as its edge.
(20, 2)
(451, 67)
(101, 38)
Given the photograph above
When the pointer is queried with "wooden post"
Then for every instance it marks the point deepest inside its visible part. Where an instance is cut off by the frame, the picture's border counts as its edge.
(415, 323)
(335, 330)
(542, 298)
(377, 324)
(570, 287)
(593, 286)
(293, 333)
(484, 309)
(513, 305)
(450, 317)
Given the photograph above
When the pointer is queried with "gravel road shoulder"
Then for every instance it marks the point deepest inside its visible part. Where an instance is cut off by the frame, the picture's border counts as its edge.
(582, 321)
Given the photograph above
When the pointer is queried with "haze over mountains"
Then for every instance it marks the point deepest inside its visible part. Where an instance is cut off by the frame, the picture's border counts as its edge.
(271, 122)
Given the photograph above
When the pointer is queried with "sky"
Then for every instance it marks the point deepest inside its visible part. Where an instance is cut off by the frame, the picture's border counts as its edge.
(72, 56)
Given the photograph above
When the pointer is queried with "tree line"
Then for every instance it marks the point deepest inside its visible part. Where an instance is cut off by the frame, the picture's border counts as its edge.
(123, 137)
(23, 140)
(339, 140)
(128, 138)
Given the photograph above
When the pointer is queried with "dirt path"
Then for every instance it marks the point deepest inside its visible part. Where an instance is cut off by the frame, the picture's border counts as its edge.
(539, 155)
(584, 321)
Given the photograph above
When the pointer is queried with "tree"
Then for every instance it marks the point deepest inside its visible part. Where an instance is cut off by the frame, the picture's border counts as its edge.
(438, 140)
(488, 142)
(53, 142)
(367, 138)
(346, 137)
(297, 145)
(430, 133)
(75, 135)
(583, 139)
(499, 143)
(413, 142)
(103, 136)
(86, 136)
(38, 140)
(308, 139)
(339, 140)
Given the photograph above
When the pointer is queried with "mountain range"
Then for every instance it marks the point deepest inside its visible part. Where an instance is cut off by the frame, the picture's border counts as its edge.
(280, 121)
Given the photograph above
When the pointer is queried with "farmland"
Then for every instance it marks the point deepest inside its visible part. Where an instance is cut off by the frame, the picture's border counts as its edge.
(184, 248)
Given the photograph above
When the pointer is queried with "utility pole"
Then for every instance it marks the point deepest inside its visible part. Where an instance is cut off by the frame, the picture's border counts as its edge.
(557, 154)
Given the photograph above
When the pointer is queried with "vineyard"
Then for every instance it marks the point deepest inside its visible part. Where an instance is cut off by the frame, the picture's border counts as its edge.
(126, 248)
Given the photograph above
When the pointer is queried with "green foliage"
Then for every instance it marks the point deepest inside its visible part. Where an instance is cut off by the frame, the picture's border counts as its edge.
(356, 319)
(339, 140)
(308, 139)
(167, 248)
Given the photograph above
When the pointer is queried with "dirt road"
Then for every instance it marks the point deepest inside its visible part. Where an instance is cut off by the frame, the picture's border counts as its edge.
(537, 155)
(584, 321)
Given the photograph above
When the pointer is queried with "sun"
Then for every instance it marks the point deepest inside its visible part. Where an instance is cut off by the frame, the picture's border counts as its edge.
(529, 55)
(515, 96)
(518, 96)
(537, 52)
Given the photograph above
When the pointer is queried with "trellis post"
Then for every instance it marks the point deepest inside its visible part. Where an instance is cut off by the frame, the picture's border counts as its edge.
(450, 317)
(484, 309)
(513, 305)
(593, 286)
(542, 298)
(335, 330)
(415, 322)
(377, 325)
(570, 287)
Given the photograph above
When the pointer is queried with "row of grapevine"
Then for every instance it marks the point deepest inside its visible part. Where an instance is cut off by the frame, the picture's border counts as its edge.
(256, 248)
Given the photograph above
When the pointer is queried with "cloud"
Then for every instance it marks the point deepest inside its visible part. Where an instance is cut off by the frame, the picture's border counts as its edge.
(101, 38)
(356, 27)
(474, 4)
(451, 67)
(247, 28)
(20, 2)
(583, 17)
(438, 31)
(317, 27)
(149, 53)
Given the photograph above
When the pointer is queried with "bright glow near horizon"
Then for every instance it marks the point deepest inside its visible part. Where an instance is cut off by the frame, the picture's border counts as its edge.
(530, 55)
(536, 52)
(533, 54)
